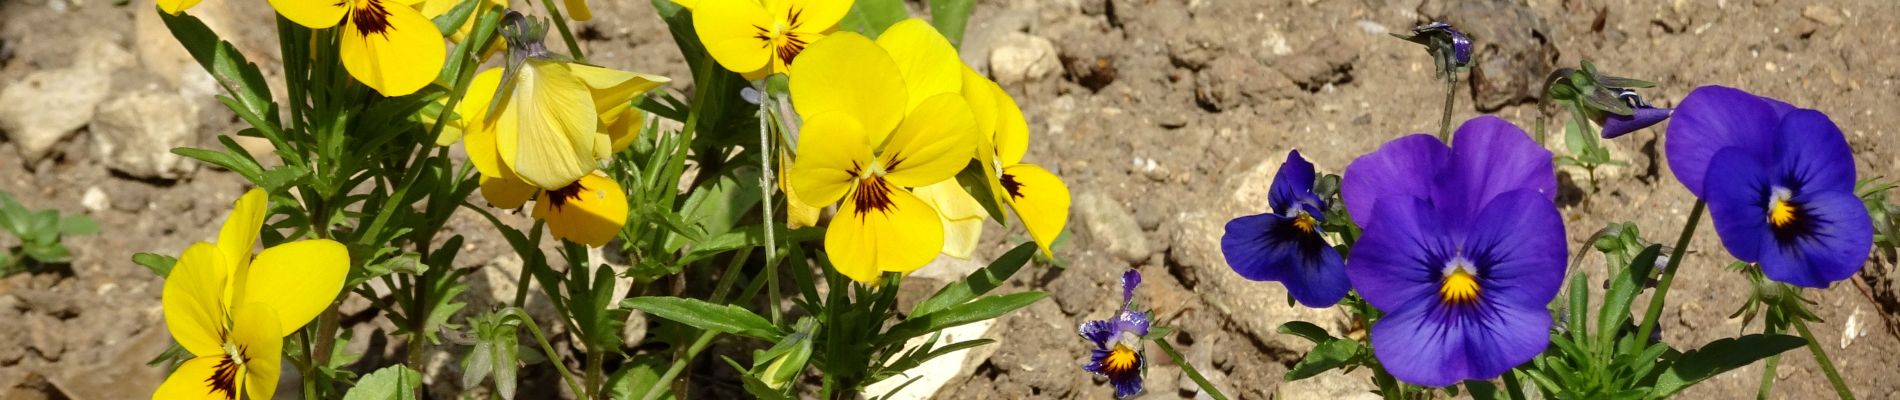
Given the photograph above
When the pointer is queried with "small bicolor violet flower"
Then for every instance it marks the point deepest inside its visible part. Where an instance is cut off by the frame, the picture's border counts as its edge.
(1779, 182)
(1463, 248)
(1118, 353)
(1286, 245)
(1642, 115)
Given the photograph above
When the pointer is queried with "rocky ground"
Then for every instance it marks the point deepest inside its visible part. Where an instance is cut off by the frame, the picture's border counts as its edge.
(1166, 117)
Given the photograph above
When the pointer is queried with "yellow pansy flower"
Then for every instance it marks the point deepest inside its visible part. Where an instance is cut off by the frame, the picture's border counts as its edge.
(1039, 197)
(386, 44)
(757, 38)
(590, 211)
(232, 312)
(879, 118)
(961, 215)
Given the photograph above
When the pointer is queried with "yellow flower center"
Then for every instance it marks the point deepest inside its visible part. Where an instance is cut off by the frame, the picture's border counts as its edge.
(1305, 222)
(1460, 286)
(370, 18)
(1781, 214)
(224, 376)
(781, 36)
(1121, 359)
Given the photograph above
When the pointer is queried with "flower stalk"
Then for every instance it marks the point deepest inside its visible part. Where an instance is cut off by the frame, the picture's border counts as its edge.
(1188, 368)
(1669, 272)
(1820, 357)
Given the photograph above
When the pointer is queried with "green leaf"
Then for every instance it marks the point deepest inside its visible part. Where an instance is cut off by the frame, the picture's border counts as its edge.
(283, 176)
(242, 166)
(912, 361)
(449, 21)
(159, 264)
(754, 386)
(637, 376)
(1616, 301)
(979, 282)
(496, 353)
(1306, 330)
(950, 16)
(703, 315)
(1325, 357)
(974, 181)
(1720, 356)
(1482, 390)
(981, 309)
(393, 382)
(591, 304)
(250, 95)
(871, 17)
(78, 225)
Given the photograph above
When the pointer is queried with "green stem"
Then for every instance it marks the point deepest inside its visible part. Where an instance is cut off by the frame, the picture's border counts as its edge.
(1187, 367)
(560, 23)
(705, 338)
(1511, 387)
(766, 190)
(528, 261)
(1768, 371)
(1669, 272)
(1827, 365)
(559, 366)
(1451, 97)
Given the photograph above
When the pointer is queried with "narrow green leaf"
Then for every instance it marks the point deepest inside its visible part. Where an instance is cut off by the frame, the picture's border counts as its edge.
(871, 17)
(703, 315)
(1306, 330)
(981, 309)
(160, 265)
(1616, 302)
(950, 16)
(1325, 357)
(979, 282)
(249, 170)
(1720, 356)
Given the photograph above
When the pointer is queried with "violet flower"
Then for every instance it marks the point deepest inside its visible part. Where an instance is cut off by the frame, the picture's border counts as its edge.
(1779, 182)
(1118, 353)
(1463, 249)
(1285, 245)
(1642, 116)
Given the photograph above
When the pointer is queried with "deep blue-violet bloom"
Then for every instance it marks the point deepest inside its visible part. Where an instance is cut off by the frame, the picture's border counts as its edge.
(1779, 182)
(1118, 354)
(1285, 245)
(1463, 248)
(1643, 115)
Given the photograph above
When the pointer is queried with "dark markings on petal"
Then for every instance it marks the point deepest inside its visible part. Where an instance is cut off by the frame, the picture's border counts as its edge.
(1014, 188)
(792, 46)
(224, 377)
(872, 194)
(559, 197)
(371, 19)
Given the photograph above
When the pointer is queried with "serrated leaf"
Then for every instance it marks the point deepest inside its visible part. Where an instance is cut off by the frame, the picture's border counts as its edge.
(390, 383)
(703, 315)
(1720, 356)
(979, 282)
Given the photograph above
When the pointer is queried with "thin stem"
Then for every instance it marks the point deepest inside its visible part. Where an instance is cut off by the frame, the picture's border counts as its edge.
(1827, 365)
(1511, 387)
(1768, 371)
(765, 198)
(560, 23)
(559, 366)
(528, 260)
(1187, 367)
(705, 338)
(1669, 271)
(1451, 97)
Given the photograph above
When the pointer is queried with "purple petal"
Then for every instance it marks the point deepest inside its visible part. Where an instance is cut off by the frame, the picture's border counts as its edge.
(1838, 239)
(1407, 166)
(1399, 260)
(1492, 157)
(1257, 247)
(1519, 248)
(1292, 184)
(1737, 194)
(1319, 280)
(1810, 150)
(1098, 332)
(1129, 384)
(1433, 345)
(1095, 364)
(1709, 119)
(1130, 321)
(1130, 280)
(1619, 125)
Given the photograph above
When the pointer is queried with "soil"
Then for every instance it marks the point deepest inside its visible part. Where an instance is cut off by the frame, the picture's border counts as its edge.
(1170, 114)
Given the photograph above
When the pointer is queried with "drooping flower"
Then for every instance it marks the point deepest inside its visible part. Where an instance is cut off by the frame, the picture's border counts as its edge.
(757, 38)
(1118, 354)
(879, 118)
(1039, 198)
(1285, 245)
(1642, 115)
(1450, 47)
(1779, 182)
(1463, 248)
(386, 44)
(232, 312)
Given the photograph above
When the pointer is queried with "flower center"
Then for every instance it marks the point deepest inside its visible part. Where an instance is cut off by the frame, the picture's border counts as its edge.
(1120, 360)
(1781, 210)
(1460, 285)
(1011, 185)
(780, 36)
(370, 18)
(1305, 222)
(559, 197)
(224, 375)
(872, 193)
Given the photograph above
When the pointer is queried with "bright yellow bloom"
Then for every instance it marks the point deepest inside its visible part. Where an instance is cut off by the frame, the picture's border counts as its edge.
(590, 211)
(758, 39)
(386, 44)
(878, 120)
(232, 313)
(1039, 198)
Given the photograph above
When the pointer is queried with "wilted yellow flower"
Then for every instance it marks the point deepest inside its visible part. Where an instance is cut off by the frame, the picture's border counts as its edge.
(386, 44)
(232, 313)
(758, 39)
(879, 118)
(1039, 197)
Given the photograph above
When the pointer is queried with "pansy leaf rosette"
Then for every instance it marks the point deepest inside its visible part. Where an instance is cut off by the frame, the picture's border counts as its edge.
(1463, 249)
(879, 118)
(1779, 182)
(1286, 245)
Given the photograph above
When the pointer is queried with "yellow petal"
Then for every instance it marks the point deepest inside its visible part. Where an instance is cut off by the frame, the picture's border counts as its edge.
(961, 215)
(730, 29)
(577, 10)
(1040, 199)
(554, 125)
(254, 329)
(479, 137)
(396, 58)
(240, 230)
(1012, 131)
(831, 154)
(314, 14)
(928, 62)
(612, 89)
(892, 231)
(298, 280)
(624, 127)
(798, 213)
(192, 381)
(193, 299)
(506, 193)
(174, 7)
(817, 16)
(847, 73)
(976, 91)
(935, 141)
(591, 214)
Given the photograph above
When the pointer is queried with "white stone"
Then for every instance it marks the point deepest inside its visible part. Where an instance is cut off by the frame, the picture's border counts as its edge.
(135, 134)
(46, 106)
(934, 374)
(95, 199)
(1020, 57)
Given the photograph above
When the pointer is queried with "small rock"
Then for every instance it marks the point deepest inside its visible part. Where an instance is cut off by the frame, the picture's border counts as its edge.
(12, 346)
(1195, 49)
(57, 304)
(1231, 82)
(1020, 57)
(135, 134)
(45, 337)
(95, 199)
(1511, 53)
(47, 106)
(1091, 63)
(1110, 222)
(1330, 385)
(923, 381)
(1325, 62)
(980, 38)
(1824, 15)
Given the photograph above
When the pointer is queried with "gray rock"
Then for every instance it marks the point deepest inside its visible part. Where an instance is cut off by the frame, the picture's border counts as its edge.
(1824, 15)
(1110, 223)
(136, 133)
(1020, 57)
(981, 36)
(1231, 82)
(1512, 50)
(1330, 385)
(45, 337)
(1326, 61)
(47, 106)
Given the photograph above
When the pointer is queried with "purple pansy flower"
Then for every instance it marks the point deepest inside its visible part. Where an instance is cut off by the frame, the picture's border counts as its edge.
(1285, 245)
(1463, 248)
(1118, 354)
(1642, 116)
(1779, 182)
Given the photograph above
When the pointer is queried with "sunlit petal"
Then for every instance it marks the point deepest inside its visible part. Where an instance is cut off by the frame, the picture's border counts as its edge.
(479, 139)
(730, 31)
(255, 332)
(192, 381)
(240, 230)
(1040, 199)
(553, 114)
(396, 58)
(1012, 130)
(830, 156)
(174, 7)
(814, 16)
(578, 11)
(900, 237)
(850, 74)
(926, 59)
(193, 299)
(315, 14)
(592, 215)
(298, 280)
(961, 215)
(932, 144)
(613, 89)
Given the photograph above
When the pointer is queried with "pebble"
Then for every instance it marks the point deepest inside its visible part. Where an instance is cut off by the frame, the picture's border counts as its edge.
(1114, 226)
(1019, 57)
(135, 135)
(47, 106)
(95, 199)
(1824, 15)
